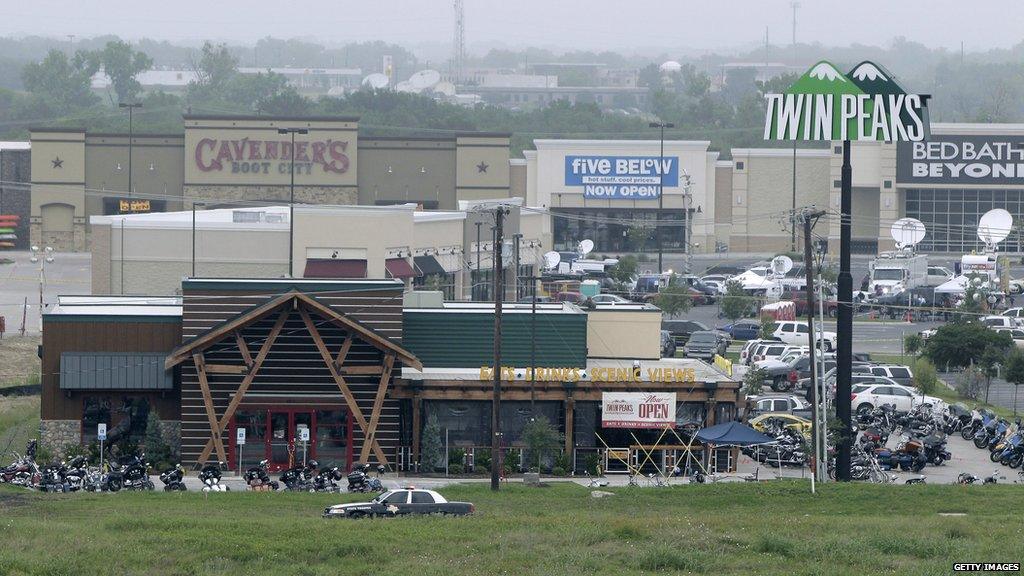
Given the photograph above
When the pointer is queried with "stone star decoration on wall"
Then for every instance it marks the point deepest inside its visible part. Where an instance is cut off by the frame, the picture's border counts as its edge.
(481, 167)
(57, 162)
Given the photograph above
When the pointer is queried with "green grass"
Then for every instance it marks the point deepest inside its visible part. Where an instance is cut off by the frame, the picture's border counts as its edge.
(19, 421)
(19, 362)
(773, 528)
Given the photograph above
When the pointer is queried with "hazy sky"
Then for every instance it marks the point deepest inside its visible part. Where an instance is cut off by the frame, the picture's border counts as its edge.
(640, 25)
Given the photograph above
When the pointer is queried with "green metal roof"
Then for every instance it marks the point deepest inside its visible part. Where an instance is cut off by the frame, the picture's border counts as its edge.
(117, 371)
(465, 339)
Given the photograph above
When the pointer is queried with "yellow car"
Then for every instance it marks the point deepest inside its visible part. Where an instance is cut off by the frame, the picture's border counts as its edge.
(790, 421)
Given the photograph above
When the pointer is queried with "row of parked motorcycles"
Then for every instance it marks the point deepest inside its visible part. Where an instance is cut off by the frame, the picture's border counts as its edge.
(132, 473)
(922, 433)
(787, 450)
(1003, 439)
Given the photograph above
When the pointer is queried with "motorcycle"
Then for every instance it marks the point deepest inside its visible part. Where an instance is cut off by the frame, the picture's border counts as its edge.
(359, 479)
(173, 479)
(1009, 451)
(258, 477)
(935, 451)
(64, 477)
(23, 471)
(300, 478)
(209, 475)
(133, 474)
(957, 418)
(327, 480)
(981, 419)
(987, 436)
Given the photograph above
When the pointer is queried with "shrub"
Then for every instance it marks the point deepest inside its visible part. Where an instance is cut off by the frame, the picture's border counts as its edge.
(970, 383)
(456, 456)
(481, 460)
(591, 463)
(753, 381)
(735, 303)
(431, 449)
(511, 462)
(925, 378)
(455, 469)
(158, 452)
(913, 343)
(558, 471)
(563, 460)
(540, 438)
(767, 327)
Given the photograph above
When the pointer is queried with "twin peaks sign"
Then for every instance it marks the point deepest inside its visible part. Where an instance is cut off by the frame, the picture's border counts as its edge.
(866, 104)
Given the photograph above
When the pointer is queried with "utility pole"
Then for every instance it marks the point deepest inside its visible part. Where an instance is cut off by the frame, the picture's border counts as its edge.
(792, 239)
(475, 281)
(499, 239)
(130, 106)
(661, 188)
(291, 196)
(515, 271)
(687, 223)
(844, 328)
(809, 217)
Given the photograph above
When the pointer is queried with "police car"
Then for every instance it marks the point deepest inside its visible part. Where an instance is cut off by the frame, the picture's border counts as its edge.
(405, 501)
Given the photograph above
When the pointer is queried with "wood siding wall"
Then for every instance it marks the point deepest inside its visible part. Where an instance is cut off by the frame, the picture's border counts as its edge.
(293, 366)
(76, 334)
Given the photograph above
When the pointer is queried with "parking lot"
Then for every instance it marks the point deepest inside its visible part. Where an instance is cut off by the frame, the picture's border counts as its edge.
(69, 273)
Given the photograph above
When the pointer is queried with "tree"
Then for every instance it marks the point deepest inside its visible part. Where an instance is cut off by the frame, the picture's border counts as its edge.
(638, 234)
(431, 448)
(960, 344)
(753, 381)
(624, 270)
(767, 328)
(540, 438)
(925, 378)
(735, 303)
(158, 451)
(989, 363)
(62, 84)
(1014, 373)
(122, 64)
(912, 343)
(675, 298)
(216, 67)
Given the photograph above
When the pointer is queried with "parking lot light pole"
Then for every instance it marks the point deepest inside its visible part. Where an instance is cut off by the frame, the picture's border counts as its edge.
(130, 106)
(661, 186)
(291, 196)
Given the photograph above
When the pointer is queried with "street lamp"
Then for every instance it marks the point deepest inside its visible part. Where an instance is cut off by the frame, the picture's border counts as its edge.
(291, 195)
(47, 257)
(661, 185)
(130, 106)
(194, 204)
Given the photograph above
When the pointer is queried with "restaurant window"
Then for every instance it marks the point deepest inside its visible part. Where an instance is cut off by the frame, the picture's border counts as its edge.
(332, 438)
(440, 282)
(615, 230)
(525, 287)
(255, 424)
(951, 215)
(482, 284)
(125, 417)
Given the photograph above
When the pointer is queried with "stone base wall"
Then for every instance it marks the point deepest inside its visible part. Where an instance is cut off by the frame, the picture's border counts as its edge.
(171, 431)
(211, 195)
(56, 435)
(73, 241)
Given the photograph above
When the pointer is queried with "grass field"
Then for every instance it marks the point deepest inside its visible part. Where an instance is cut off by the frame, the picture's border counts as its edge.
(19, 363)
(775, 528)
(19, 421)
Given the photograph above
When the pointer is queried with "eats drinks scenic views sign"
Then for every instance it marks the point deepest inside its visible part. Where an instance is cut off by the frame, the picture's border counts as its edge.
(866, 104)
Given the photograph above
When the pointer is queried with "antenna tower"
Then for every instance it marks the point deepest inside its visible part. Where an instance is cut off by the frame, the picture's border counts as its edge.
(459, 43)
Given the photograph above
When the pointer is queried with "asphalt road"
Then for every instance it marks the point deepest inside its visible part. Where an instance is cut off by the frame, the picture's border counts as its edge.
(69, 273)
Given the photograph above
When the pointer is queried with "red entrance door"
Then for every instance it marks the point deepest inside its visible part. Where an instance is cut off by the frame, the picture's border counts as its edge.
(273, 434)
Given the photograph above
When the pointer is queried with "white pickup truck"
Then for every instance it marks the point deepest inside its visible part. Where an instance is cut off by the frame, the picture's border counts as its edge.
(795, 332)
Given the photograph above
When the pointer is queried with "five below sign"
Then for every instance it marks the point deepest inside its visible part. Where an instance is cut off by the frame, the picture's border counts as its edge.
(866, 104)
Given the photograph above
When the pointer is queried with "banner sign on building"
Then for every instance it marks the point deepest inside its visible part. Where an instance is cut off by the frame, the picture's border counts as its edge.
(866, 104)
(638, 409)
(961, 160)
(621, 177)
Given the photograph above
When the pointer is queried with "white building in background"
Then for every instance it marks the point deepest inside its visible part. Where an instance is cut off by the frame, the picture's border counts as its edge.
(306, 80)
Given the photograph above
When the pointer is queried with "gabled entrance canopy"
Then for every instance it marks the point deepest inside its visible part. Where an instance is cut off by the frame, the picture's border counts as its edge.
(283, 306)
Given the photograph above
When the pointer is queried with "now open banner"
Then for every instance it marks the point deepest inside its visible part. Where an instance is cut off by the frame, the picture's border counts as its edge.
(638, 409)
(621, 177)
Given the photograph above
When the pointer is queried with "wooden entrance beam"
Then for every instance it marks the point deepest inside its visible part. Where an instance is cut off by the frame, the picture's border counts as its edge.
(243, 348)
(211, 414)
(226, 368)
(343, 352)
(378, 403)
(350, 398)
(570, 403)
(244, 386)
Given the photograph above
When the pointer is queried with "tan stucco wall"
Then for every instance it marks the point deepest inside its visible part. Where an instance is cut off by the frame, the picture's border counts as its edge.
(481, 167)
(407, 170)
(624, 334)
(373, 230)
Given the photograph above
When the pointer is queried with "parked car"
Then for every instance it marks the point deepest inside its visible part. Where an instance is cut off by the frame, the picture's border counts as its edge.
(938, 275)
(682, 329)
(779, 372)
(742, 329)
(529, 299)
(609, 299)
(769, 351)
(793, 421)
(747, 353)
(795, 332)
(799, 297)
(868, 396)
(777, 404)
(668, 344)
(1016, 333)
(704, 345)
(1000, 321)
(899, 374)
(1013, 312)
(400, 503)
(574, 297)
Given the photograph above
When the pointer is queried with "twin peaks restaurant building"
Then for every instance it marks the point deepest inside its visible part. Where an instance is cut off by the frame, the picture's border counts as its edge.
(358, 369)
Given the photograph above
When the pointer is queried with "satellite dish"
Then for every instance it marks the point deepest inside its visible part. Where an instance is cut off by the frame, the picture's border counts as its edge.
(405, 86)
(446, 88)
(994, 226)
(424, 80)
(585, 247)
(907, 231)
(376, 81)
(782, 264)
(551, 260)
